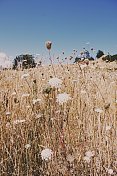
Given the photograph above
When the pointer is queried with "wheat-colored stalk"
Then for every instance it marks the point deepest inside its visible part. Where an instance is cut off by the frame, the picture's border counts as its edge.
(87, 122)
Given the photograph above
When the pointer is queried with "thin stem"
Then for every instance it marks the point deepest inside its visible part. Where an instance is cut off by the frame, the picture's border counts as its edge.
(51, 63)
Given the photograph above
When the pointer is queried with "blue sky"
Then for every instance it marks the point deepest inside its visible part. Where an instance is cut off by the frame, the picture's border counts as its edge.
(25, 25)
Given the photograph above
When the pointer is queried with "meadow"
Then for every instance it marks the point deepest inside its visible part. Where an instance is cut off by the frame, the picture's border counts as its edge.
(59, 120)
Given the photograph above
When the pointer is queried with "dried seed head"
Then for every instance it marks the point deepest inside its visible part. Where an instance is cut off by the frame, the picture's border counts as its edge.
(48, 45)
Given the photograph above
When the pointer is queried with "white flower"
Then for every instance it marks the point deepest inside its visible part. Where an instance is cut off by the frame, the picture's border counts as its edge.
(19, 121)
(83, 66)
(27, 146)
(63, 98)
(108, 127)
(14, 93)
(25, 76)
(88, 156)
(87, 159)
(36, 100)
(83, 92)
(110, 171)
(90, 153)
(8, 113)
(115, 101)
(38, 116)
(25, 95)
(98, 110)
(70, 158)
(8, 125)
(46, 154)
(55, 82)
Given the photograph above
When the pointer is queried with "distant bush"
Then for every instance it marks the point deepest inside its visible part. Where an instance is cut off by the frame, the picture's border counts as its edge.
(114, 57)
(24, 62)
(110, 58)
(78, 59)
(99, 54)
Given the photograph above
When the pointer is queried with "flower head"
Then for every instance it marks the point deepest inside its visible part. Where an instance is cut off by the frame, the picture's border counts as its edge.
(25, 75)
(110, 171)
(27, 146)
(14, 93)
(63, 98)
(19, 121)
(90, 153)
(55, 82)
(25, 95)
(98, 110)
(48, 45)
(70, 158)
(8, 113)
(46, 154)
(36, 100)
(87, 159)
(108, 127)
(88, 156)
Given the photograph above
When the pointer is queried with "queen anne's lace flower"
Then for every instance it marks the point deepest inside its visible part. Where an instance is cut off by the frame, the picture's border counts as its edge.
(27, 146)
(108, 128)
(46, 154)
(87, 159)
(36, 100)
(99, 110)
(19, 121)
(14, 93)
(110, 171)
(25, 95)
(25, 75)
(63, 98)
(8, 113)
(55, 82)
(88, 156)
(90, 153)
(70, 158)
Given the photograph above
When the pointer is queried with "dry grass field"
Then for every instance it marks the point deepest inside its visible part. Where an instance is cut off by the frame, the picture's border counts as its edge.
(59, 127)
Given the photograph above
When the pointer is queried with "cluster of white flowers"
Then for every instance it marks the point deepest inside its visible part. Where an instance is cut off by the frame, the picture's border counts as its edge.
(36, 100)
(8, 113)
(87, 159)
(110, 171)
(83, 66)
(8, 125)
(63, 98)
(99, 110)
(38, 116)
(27, 146)
(88, 156)
(14, 93)
(70, 158)
(46, 154)
(55, 82)
(18, 121)
(108, 128)
(25, 95)
(28, 106)
(25, 76)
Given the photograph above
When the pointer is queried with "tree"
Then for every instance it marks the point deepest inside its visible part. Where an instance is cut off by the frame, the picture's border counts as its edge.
(99, 54)
(24, 61)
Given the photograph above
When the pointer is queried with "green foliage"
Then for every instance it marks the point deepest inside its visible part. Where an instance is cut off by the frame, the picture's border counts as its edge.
(99, 54)
(24, 61)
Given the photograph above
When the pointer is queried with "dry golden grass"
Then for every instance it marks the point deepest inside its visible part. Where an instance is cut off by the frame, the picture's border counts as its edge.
(69, 130)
